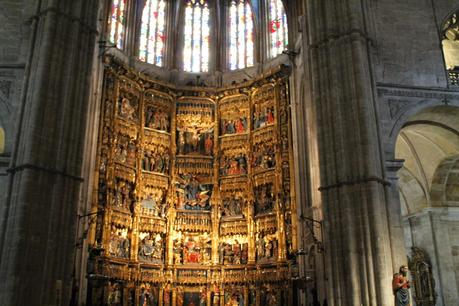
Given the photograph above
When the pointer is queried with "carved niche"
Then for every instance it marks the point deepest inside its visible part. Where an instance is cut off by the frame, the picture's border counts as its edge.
(421, 272)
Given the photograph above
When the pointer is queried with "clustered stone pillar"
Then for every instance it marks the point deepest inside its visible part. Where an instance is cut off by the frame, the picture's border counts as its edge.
(38, 237)
(395, 214)
(353, 184)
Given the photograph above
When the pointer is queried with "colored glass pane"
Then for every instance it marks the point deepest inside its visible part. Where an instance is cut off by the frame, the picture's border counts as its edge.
(196, 36)
(277, 27)
(152, 38)
(240, 35)
(117, 23)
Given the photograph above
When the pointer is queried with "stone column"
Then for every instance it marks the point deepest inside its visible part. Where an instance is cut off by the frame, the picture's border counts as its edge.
(38, 238)
(397, 235)
(352, 181)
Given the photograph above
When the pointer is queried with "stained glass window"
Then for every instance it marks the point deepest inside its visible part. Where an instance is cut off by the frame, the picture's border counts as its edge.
(277, 27)
(196, 40)
(117, 23)
(152, 39)
(240, 34)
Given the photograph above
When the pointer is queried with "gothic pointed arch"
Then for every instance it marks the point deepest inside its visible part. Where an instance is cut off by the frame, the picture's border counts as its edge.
(196, 36)
(152, 38)
(116, 31)
(241, 34)
(277, 28)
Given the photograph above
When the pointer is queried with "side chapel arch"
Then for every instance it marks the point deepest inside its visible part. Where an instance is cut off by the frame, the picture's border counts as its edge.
(428, 144)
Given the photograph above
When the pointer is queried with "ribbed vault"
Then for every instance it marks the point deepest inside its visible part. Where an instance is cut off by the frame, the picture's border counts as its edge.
(424, 143)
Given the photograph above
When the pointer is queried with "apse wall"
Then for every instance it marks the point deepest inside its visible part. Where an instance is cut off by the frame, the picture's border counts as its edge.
(194, 195)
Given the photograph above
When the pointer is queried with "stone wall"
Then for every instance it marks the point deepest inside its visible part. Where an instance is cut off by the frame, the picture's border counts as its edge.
(407, 39)
(14, 32)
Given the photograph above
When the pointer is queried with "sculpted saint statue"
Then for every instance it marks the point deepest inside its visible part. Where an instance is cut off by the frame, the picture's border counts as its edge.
(400, 286)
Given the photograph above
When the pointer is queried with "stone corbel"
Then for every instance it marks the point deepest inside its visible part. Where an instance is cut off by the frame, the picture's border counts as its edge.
(392, 168)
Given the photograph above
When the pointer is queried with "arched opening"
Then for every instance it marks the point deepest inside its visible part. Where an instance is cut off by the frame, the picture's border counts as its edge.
(429, 196)
(450, 43)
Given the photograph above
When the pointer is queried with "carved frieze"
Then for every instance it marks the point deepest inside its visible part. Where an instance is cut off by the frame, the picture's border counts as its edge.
(399, 99)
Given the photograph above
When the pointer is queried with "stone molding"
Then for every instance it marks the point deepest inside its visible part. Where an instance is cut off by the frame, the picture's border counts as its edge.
(400, 99)
(43, 169)
(355, 182)
(446, 213)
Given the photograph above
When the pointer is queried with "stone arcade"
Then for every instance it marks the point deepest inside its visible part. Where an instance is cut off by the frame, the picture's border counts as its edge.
(204, 152)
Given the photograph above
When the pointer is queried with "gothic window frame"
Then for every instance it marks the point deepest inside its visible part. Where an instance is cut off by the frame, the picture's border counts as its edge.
(268, 28)
(126, 35)
(180, 52)
(450, 36)
(219, 57)
(227, 36)
(139, 10)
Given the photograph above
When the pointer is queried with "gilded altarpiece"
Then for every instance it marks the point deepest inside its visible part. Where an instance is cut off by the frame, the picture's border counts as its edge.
(194, 199)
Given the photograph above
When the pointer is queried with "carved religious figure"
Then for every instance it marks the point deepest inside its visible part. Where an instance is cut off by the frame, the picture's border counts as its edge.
(203, 296)
(233, 253)
(119, 244)
(234, 297)
(252, 296)
(103, 162)
(263, 157)
(167, 293)
(232, 206)
(148, 296)
(266, 248)
(233, 165)
(271, 299)
(192, 194)
(177, 251)
(195, 141)
(151, 248)
(115, 295)
(191, 251)
(128, 107)
(157, 119)
(208, 144)
(216, 295)
(401, 286)
(154, 204)
(264, 198)
(263, 116)
(157, 160)
(269, 296)
(236, 125)
(180, 297)
(125, 150)
(122, 194)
